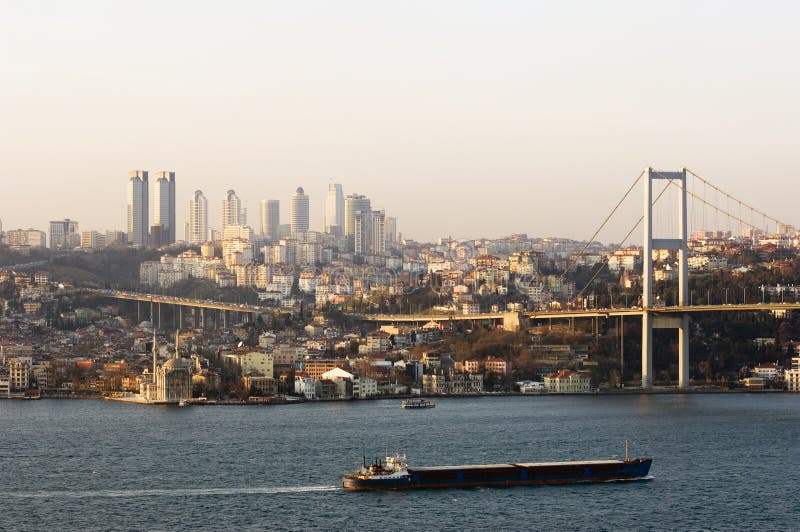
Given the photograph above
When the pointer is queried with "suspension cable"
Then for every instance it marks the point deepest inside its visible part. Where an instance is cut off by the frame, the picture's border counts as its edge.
(765, 215)
(621, 244)
(589, 242)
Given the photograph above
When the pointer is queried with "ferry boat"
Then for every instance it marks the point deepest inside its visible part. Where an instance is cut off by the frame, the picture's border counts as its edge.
(417, 403)
(394, 474)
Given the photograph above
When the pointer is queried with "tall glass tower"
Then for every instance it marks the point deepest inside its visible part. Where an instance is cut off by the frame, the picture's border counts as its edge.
(164, 204)
(299, 212)
(197, 226)
(138, 214)
(334, 210)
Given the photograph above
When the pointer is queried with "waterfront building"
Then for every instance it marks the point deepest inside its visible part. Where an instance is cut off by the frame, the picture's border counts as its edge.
(334, 210)
(232, 211)
(568, 381)
(164, 206)
(64, 234)
(353, 204)
(197, 226)
(270, 218)
(792, 376)
(300, 212)
(170, 382)
(768, 371)
(138, 204)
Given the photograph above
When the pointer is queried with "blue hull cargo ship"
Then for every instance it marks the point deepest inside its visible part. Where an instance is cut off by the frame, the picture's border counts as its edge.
(394, 474)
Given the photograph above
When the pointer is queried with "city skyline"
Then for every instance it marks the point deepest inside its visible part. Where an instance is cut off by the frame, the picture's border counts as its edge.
(470, 129)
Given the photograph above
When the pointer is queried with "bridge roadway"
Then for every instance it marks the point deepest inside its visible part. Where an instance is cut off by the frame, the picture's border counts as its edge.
(180, 301)
(591, 313)
(422, 318)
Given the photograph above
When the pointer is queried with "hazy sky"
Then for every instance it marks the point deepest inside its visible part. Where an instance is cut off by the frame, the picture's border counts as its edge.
(460, 118)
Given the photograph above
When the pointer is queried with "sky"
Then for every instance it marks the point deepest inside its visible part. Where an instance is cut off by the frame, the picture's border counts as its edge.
(461, 118)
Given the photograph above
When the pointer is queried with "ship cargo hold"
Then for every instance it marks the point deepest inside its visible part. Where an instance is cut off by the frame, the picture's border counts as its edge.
(396, 475)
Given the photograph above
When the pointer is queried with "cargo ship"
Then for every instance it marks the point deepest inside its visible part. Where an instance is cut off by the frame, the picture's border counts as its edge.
(393, 473)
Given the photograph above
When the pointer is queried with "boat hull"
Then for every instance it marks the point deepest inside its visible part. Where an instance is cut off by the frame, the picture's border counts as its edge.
(506, 475)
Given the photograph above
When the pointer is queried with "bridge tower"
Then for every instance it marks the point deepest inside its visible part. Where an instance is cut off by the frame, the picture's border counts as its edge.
(650, 317)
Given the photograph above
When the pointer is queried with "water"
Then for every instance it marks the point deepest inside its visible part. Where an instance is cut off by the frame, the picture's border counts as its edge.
(720, 462)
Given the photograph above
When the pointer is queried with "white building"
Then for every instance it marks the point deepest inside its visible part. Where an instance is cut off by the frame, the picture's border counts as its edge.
(300, 212)
(64, 234)
(369, 233)
(197, 226)
(792, 376)
(353, 204)
(334, 210)
(232, 211)
(568, 381)
(270, 218)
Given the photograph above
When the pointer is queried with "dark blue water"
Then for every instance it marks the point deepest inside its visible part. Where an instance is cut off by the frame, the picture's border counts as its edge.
(720, 462)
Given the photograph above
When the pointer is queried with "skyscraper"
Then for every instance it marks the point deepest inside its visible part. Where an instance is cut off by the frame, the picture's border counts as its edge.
(270, 218)
(299, 212)
(370, 233)
(164, 205)
(391, 230)
(232, 211)
(334, 210)
(352, 204)
(197, 225)
(138, 213)
(64, 234)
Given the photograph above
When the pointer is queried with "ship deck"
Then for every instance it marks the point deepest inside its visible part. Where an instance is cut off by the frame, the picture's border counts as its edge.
(518, 464)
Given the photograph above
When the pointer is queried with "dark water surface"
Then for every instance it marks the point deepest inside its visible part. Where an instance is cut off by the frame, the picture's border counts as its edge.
(720, 462)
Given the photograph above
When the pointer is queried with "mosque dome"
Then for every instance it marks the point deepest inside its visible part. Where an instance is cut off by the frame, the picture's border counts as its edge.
(176, 363)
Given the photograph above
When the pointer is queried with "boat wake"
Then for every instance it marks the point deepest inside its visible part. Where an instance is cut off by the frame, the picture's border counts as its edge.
(180, 492)
(639, 479)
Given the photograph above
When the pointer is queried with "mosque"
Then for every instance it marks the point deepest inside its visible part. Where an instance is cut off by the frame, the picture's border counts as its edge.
(169, 383)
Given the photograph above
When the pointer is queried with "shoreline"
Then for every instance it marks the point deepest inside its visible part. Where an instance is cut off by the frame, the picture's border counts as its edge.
(279, 401)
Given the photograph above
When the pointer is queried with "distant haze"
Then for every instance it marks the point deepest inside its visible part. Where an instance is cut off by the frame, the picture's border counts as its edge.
(459, 118)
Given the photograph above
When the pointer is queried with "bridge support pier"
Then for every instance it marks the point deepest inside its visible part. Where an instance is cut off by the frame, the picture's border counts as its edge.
(224, 319)
(647, 350)
(681, 321)
(138, 312)
(683, 352)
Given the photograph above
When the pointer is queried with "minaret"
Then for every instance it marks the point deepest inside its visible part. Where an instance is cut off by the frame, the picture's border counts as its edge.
(177, 337)
(154, 355)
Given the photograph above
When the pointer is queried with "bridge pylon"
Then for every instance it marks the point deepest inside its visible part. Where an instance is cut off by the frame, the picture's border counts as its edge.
(650, 317)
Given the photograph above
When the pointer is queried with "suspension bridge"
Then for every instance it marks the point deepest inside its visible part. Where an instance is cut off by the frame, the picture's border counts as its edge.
(665, 223)
(754, 225)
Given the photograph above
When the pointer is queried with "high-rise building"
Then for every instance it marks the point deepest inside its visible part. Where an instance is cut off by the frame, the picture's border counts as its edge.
(370, 233)
(270, 218)
(138, 202)
(164, 206)
(197, 226)
(391, 230)
(334, 210)
(25, 237)
(64, 234)
(299, 211)
(353, 203)
(93, 240)
(232, 211)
